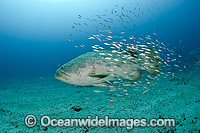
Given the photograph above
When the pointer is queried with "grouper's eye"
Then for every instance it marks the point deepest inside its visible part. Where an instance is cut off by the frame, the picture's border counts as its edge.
(62, 68)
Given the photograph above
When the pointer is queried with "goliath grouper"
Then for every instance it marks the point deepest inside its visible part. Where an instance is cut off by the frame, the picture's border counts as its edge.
(102, 67)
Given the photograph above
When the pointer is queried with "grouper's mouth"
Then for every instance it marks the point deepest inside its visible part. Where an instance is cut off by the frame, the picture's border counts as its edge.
(62, 77)
(57, 76)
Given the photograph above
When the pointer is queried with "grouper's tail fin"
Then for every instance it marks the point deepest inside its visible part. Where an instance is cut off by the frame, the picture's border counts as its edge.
(152, 61)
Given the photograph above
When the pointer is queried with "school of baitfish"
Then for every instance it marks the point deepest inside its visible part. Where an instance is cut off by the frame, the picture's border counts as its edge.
(126, 58)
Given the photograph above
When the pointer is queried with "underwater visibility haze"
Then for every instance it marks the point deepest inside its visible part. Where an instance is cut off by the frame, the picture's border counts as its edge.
(117, 58)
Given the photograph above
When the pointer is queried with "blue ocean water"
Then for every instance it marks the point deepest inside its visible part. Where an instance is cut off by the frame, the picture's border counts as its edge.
(28, 28)
(37, 37)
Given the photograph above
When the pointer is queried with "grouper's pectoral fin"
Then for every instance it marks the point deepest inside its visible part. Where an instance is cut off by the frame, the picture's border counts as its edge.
(101, 84)
(100, 76)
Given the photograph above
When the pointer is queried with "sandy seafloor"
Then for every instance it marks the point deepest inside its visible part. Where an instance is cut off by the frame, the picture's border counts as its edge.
(177, 98)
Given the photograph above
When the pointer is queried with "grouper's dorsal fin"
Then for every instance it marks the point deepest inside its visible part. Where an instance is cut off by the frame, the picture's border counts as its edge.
(132, 52)
(100, 76)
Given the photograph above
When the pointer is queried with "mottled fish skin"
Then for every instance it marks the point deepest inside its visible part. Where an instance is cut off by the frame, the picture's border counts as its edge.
(100, 67)
(82, 61)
